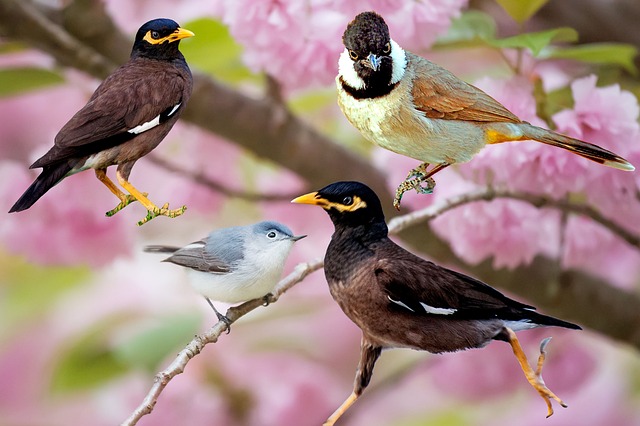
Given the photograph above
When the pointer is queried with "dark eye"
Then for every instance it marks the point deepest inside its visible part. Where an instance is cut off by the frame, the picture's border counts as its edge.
(271, 235)
(387, 48)
(155, 35)
(347, 201)
(353, 55)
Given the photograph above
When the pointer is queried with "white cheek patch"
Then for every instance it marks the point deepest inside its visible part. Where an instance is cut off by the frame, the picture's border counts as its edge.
(348, 73)
(437, 311)
(399, 61)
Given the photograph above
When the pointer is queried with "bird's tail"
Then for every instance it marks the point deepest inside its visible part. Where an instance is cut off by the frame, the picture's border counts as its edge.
(48, 178)
(546, 320)
(160, 249)
(584, 149)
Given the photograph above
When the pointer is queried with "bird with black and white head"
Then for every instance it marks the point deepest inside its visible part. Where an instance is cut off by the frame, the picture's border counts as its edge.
(411, 106)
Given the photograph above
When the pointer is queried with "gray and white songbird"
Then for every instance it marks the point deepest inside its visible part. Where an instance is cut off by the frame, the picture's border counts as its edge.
(235, 264)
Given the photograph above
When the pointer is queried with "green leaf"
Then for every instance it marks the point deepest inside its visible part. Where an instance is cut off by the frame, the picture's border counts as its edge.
(148, 348)
(89, 361)
(619, 54)
(468, 30)
(28, 289)
(18, 80)
(521, 10)
(214, 51)
(536, 41)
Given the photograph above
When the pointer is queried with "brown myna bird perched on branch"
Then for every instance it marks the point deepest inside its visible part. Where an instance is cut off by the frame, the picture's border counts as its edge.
(400, 300)
(408, 105)
(127, 116)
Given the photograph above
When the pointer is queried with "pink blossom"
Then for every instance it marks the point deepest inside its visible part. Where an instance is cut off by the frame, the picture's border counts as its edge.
(592, 248)
(513, 232)
(607, 116)
(527, 166)
(67, 225)
(299, 42)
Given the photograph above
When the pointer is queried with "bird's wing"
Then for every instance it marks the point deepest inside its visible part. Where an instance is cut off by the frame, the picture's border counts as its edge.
(195, 256)
(440, 94)
(422, 287)
(135, 98)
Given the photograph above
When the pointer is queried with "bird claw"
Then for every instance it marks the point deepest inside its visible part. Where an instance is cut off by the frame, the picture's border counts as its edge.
(128, 199)
(414, 180)
(539, 385)
(162, 211)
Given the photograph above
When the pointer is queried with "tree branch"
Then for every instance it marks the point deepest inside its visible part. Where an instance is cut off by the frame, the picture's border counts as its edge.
(201, 179)
(570, 281)
(211, 336)
(401, 223)
(271, 131)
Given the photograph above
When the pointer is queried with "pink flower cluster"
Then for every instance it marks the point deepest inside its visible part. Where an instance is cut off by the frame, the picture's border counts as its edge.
(514, 232)
(298, 43)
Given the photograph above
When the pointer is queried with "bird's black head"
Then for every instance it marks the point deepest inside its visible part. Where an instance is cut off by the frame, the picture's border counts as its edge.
(349, 204)
(159, 39)
(369, 47)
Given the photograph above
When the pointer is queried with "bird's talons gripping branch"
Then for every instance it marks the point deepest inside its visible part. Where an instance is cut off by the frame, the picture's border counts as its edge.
(162, 211)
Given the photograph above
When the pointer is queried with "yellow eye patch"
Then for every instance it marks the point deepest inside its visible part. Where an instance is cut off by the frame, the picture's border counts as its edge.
(178, 34)
(311, 198)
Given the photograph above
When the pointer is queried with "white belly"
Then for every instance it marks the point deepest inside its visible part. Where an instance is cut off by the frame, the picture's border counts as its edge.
(387, 123)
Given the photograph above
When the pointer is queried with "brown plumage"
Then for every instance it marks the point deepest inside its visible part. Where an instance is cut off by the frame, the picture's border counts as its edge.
(127, 116)
(400, 300)
(411, 106)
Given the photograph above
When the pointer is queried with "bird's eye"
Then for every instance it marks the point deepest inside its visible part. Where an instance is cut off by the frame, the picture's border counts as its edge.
(387, 48)
(347, 201)
(271, 235)
(155, 35)
(353, 55)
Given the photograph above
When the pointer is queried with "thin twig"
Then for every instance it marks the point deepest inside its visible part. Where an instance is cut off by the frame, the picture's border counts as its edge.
(396, 225)
(201, 179)
(399, 223)
(211, 336)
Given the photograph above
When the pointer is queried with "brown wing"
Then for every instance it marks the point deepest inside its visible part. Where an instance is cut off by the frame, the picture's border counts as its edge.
(414, 282)
(134, 94)
(440, 94)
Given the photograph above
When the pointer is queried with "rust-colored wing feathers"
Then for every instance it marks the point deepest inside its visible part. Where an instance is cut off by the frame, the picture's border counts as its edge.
(439, 94)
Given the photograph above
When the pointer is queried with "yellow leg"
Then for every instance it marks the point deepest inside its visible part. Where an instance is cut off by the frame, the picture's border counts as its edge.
(534, 377)
(152, 209)
(125, 199)
(341, 410)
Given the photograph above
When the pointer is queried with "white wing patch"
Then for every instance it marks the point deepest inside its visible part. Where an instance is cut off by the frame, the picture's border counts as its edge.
(153, 123)
(437, 311)
(174, 109)
(399, 303)
(145, 126)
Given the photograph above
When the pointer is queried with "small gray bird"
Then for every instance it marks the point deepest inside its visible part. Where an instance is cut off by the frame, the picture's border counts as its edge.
(234, 264)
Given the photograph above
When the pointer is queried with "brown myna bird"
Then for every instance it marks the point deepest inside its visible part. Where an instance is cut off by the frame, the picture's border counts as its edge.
(400, 300)
(408, 105)
(127, 116)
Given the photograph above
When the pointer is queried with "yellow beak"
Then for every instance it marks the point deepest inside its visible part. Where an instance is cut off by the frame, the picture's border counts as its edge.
(310, 198)
(179, 34)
